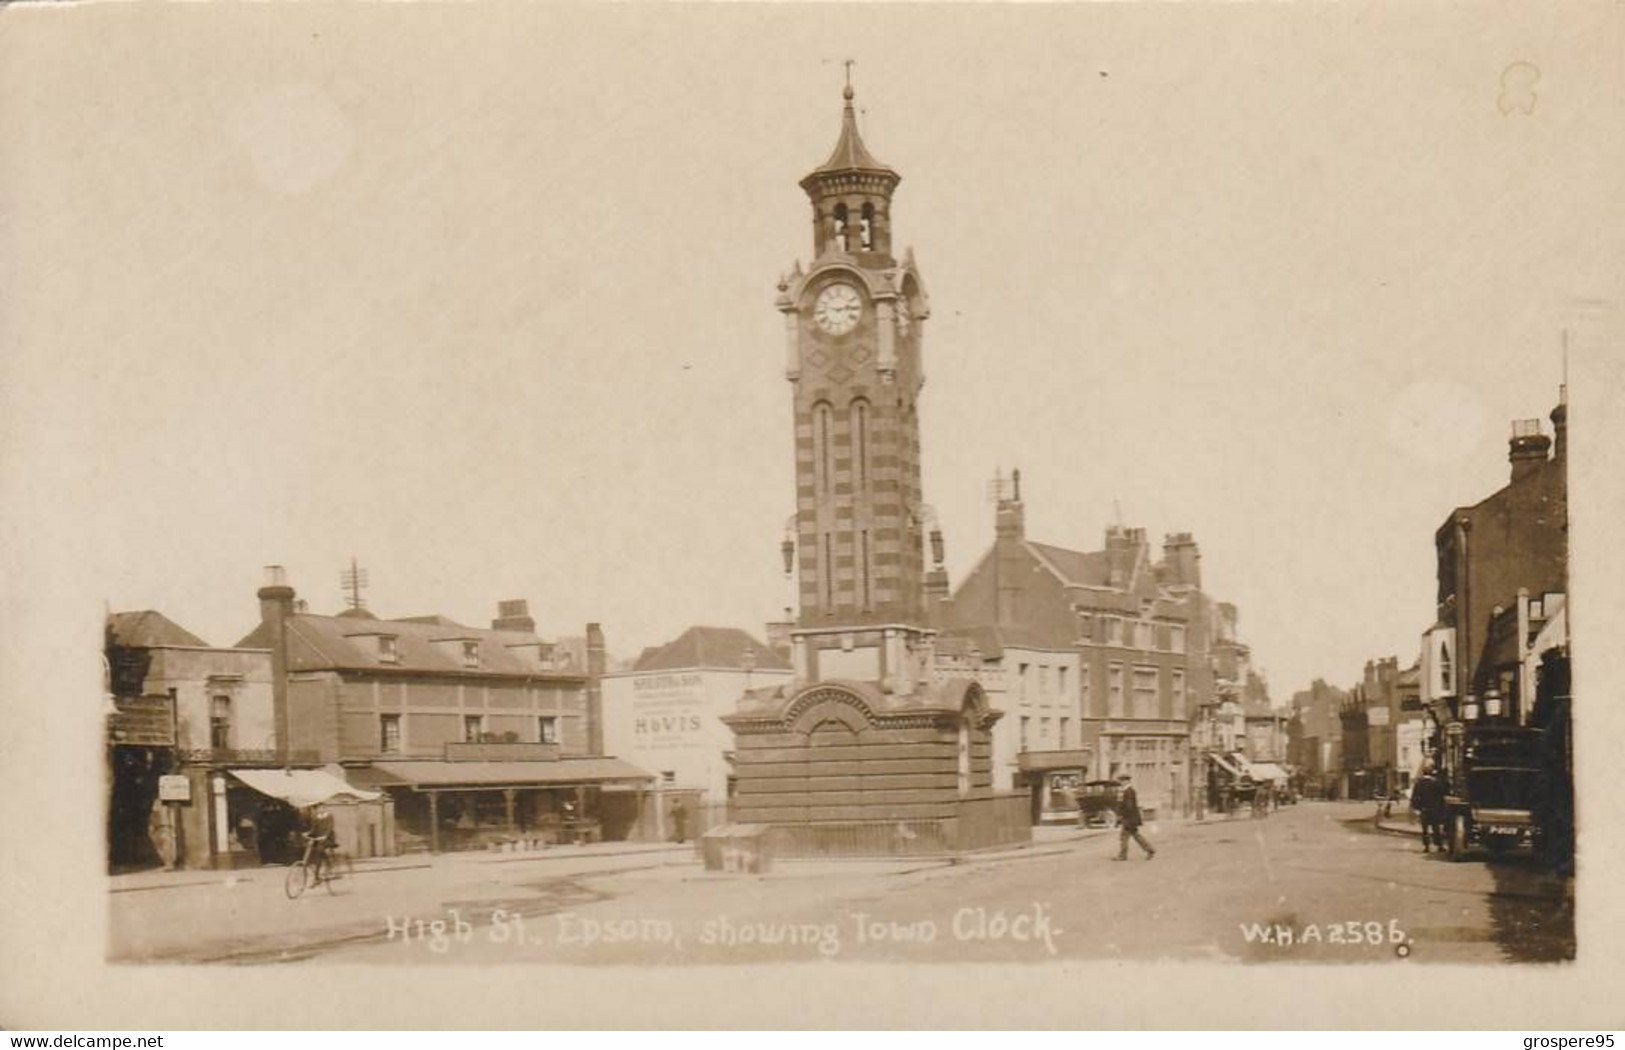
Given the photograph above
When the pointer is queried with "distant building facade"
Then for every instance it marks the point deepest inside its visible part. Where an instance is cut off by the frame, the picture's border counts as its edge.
(1106, 659)
(183, 711)
(664, 715)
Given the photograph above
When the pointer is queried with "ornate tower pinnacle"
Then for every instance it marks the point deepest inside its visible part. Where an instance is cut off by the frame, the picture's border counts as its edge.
(851, 195)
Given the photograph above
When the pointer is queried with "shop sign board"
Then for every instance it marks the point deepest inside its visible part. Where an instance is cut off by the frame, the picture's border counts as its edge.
(174, 788)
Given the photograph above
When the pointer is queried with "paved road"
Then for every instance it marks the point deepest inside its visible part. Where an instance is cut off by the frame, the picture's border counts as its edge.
(1319, 870)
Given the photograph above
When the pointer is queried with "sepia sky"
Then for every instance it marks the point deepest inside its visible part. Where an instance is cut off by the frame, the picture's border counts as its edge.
(483, 295)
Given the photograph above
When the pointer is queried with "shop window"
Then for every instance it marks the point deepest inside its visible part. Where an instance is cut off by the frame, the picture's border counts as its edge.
(220, 722)
(547, 729)
(389, 734)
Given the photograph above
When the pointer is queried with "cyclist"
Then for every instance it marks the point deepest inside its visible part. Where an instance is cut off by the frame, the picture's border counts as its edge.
(320, 841)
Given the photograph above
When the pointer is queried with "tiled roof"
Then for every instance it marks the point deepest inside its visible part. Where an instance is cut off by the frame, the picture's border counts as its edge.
(715, 647)
(324, 643)
(1075, 568)
(146, 629)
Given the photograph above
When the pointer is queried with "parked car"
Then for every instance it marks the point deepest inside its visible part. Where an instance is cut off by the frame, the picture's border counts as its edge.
(1097, 803)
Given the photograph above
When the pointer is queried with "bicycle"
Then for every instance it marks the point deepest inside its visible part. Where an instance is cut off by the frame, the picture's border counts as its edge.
(322, 867)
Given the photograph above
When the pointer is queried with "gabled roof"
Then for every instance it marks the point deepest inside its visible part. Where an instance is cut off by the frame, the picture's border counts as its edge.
(1074, 568)
(341, 643)
(146, 629)
(711, 647)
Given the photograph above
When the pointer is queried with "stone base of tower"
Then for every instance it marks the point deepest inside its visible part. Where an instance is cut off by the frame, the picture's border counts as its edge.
(841, 768)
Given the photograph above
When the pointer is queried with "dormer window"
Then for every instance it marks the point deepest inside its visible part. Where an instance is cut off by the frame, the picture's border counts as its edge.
(471, 654)
(387, 652)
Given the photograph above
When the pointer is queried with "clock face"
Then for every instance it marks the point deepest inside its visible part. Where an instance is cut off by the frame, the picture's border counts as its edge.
(838, 308)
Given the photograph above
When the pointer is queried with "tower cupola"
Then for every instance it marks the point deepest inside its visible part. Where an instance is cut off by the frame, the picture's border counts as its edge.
(851, 197)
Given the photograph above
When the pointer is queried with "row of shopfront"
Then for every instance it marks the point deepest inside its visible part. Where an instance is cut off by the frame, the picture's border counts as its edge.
(1060, 783)
(228, 808)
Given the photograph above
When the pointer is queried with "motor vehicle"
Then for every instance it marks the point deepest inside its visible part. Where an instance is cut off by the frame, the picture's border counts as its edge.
(1097, 803)
(1495, 786)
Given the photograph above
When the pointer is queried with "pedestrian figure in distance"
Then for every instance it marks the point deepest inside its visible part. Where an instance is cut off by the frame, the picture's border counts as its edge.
(679, 821)
(1128, 820)
(1427, 799)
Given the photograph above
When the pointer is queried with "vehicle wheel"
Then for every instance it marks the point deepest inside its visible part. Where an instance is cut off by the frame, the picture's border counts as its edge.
(337, 867)
(1458, 837)
(298, 878)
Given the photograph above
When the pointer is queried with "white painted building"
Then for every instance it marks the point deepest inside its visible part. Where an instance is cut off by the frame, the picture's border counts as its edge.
(664, 715)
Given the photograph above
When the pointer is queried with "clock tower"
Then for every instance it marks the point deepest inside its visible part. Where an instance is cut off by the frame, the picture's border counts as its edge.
(876, 745)
(853, 322)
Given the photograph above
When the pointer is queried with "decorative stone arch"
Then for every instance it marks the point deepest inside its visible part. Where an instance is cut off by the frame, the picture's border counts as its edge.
(830, 702)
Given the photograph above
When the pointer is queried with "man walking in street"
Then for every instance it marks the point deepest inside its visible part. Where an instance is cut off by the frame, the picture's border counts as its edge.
(1128, 820)
(1427, 799)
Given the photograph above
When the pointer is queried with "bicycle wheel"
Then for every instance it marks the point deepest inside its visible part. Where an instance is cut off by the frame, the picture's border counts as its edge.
(298, 878)
(337, 867)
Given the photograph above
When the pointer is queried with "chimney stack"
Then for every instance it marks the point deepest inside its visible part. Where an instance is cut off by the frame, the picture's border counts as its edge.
(1528, 447)
(514, 615)
(276, 606)
(1183, 559)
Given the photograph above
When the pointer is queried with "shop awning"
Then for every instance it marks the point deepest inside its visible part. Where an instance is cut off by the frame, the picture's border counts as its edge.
(1267, 771)
(301, 787)
(562, 772)
(1224, 763)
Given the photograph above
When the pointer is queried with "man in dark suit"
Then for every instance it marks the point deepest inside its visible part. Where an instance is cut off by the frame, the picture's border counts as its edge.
(1128, 820)
(1427, 798)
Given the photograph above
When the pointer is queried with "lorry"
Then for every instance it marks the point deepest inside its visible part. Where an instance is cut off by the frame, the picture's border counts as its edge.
(1494, 785)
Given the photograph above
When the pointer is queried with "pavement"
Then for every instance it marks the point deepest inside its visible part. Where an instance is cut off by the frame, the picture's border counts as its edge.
(134, 882)
(1316, 882)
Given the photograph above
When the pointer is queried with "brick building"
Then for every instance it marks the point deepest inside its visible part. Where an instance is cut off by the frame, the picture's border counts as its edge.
(1118, 642)
(1502, 582)
(476, 734)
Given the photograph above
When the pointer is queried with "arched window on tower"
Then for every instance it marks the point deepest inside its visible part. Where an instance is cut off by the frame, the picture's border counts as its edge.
(867, 226)
(823, 438)
(840, 226)
(860, 444)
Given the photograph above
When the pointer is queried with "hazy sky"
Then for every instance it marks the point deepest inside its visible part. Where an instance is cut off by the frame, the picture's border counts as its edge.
(484, 295)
